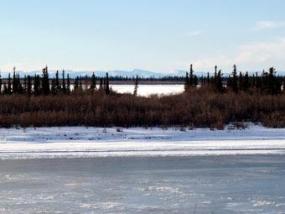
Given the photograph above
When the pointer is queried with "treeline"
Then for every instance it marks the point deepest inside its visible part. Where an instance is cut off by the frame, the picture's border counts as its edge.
(211, 101)
(44, 85)
(266, 82)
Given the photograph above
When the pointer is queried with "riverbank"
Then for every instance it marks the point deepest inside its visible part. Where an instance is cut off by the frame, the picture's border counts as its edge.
(83, 142)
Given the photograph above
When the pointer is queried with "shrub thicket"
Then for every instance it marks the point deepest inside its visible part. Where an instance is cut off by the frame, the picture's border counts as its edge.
(213, 102)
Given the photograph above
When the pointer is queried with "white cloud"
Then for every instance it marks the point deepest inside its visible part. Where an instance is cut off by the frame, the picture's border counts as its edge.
(253, 56)
(193, 33)
(265, 25)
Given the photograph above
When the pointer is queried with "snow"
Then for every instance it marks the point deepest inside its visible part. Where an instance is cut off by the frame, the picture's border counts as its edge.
(148, 90)
(84, 142)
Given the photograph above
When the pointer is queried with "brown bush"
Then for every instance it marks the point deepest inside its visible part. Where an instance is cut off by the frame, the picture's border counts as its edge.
(196, 108)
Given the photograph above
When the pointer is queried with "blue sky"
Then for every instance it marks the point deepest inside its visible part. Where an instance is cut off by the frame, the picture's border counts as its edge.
(158, 35)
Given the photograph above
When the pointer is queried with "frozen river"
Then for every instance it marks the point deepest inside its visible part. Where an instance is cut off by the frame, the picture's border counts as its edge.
(209, 184)
(138, 170)
(147, 90)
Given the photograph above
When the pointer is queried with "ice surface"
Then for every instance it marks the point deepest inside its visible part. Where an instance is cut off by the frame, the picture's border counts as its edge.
(205, 184)
(148, 90)
(71, 142)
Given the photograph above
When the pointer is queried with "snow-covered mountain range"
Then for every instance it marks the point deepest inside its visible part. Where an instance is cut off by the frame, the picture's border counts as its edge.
(113, 73)
(123, 73)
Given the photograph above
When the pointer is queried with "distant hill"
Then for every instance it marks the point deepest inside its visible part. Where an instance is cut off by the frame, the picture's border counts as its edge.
(126, 73)
(121, 73)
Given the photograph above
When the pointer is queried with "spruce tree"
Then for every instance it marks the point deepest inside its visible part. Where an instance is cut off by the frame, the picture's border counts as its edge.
(246, 82)
(37, 85)
(235, 80)
(68, 84)
(214, 78)
(29, 85)
(57, 84)
(193, 79)
(76, 84)
(93, 82)
(219, 82)
(136, 86)
(274, 84)
(14, 81)
(191, 76)
(63, 82)
(107, 86)
(186, 86)
(0, 84)
(25, 84)
(45, 81)
(208, 78)
(9, 87)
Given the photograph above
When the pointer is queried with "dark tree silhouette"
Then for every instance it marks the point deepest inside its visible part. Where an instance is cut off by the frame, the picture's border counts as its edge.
(45, 81)
(37, 85)
(57, 84)
(63, 82)
(187, 82)
(93, 82)
(68, 84)
(107, 86)
(9, 87)
(233, 80)
(0, 84)
(136, 86)
(29, 85)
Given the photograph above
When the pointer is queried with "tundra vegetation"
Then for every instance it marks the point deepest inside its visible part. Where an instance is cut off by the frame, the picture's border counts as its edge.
(208, 101)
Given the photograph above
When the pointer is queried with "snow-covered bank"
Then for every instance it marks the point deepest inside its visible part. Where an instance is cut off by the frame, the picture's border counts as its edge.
(100, 142)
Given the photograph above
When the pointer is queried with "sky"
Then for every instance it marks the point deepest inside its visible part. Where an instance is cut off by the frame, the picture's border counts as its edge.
(156, 35)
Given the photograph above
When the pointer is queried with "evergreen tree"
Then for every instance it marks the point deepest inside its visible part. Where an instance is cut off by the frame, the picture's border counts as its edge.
(208, 78)
(93, 82)
(240, 81)
(246, 82)
(273, 83)
(63, 82)
(25, 84)
(29, 85)
(9, 87)
(68, 84)
(37, 85)
(101, 87)
(0, 84)
(258, 81)
(45, 81)
(193, 80)
(14, 81)
(234, 80)
(136, 86)
(219, 82)
(76, 84)
(57, 84)
(191, 76)
(107, 86)
(214, 79)
(20, 86)
(187, 83)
